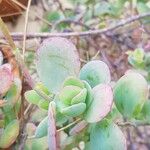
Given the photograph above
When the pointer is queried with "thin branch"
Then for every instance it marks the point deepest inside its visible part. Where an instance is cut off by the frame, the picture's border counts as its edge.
(25, 27)
(133, 123)
(27, 109)
(18, 36)
(10, 14)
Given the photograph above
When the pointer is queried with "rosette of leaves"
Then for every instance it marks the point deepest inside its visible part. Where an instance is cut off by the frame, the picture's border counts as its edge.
(73, 97)
(62, 74)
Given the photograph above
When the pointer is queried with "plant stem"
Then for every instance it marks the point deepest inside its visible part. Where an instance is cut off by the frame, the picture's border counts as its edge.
(69, 125)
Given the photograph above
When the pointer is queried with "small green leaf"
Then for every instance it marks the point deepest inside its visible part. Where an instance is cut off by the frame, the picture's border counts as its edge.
(101, 103)
(74, 110)
(32, 97)
(136, 58)
(73, 81)
(89, 96)
(68, 92)
(95, 72)
(80, 98)
(43, 104)
(14, 92)
(36, 144)
(40, 86)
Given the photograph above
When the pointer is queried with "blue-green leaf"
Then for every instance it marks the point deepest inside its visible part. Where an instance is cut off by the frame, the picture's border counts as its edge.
(95, 72)
(57, 59)
(106, 136)
(101, 103)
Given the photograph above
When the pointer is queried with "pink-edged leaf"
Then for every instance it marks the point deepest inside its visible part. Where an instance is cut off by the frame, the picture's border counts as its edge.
(52, 142)
(6, 78)
(78, 127)
(57, 58)
(101, 104)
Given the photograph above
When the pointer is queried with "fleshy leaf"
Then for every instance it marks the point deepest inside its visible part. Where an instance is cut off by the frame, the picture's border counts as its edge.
(57, 59)
(6, 78)
(40, 86)
(10, 134)
(106, 136)
(32, 97)
(101, 103)
(42, 128)
(74, 110)
(73, 81)
(95, 72)
(80, 98)
(13, 93)
(43, 104)
(136, 58)
(36, 144)
(68, 92)
(89, 96)
(130, 94)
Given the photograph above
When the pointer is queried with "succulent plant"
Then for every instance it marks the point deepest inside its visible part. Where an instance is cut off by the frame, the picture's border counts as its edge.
(84, 94)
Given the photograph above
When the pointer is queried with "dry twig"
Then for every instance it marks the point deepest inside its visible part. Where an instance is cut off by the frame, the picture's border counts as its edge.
(18, 36)
(25, 28)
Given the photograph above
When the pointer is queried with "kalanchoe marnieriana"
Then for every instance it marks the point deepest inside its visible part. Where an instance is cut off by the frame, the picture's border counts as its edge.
(73, 97)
